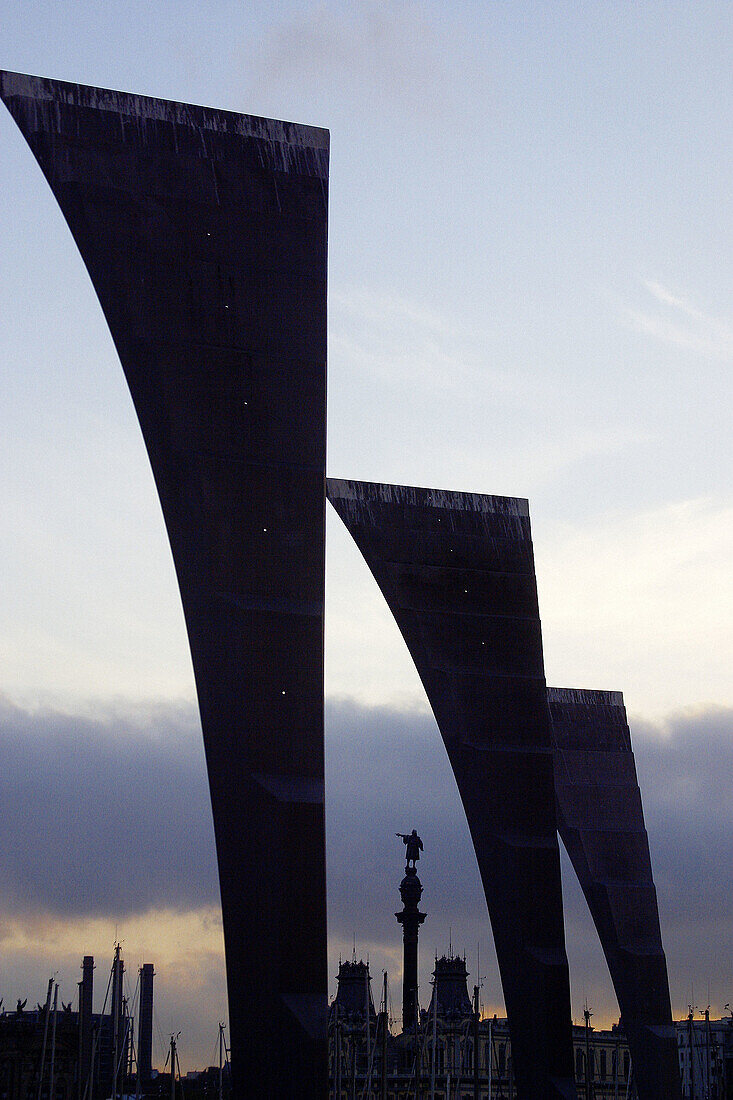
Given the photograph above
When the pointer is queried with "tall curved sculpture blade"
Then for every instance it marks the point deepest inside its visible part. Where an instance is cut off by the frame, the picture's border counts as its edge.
(601, 822)
(204, 233)
(457, 572)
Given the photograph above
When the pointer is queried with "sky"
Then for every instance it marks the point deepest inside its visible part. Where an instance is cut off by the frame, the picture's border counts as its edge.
(530, 277)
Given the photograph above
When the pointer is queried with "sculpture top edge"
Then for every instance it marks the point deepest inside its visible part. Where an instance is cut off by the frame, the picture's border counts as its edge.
(587, 720)
(40, 88)
(374, 492)
(585, 696)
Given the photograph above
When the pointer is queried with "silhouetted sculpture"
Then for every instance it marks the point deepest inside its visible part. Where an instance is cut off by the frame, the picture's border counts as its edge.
(204, 234)
(457, 571)
(410, 918)
(601, 823)
(413, 847)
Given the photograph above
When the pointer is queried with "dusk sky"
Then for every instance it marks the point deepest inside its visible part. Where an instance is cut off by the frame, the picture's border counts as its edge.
(530, 288)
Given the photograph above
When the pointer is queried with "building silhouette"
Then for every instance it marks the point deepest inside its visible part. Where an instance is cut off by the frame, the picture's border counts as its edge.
(446, 1053)
(66, 1053)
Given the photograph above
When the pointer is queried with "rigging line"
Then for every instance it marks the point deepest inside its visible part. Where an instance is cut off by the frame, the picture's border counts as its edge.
(132, 1000)
(162, 1043)
(215, 1051)
(133, 1049)
(417, 1065)
(123, 1043)
(180, 1078)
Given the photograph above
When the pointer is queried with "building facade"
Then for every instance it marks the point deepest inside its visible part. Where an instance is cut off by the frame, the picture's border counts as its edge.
(705, 1053)
(376, 1066)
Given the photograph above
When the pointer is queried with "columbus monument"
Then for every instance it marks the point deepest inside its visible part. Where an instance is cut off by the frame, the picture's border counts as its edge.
(410, 918)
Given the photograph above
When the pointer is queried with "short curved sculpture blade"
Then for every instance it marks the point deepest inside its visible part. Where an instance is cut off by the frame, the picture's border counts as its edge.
(457, 572)
(601, 822)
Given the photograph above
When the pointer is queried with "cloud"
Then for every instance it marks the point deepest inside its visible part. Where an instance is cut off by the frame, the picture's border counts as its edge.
(685, 774)
(408, 346)
(683, 325)
(398, 772)
(375, 49)
(137, 860)
(643, 602)
(106, 816)
(685, 765)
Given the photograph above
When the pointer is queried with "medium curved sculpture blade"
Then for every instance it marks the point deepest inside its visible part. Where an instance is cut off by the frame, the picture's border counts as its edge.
(601, 822)
(457, 572)
(204, 233)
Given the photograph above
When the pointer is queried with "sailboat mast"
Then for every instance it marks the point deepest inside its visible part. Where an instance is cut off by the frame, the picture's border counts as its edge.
(116, 1009)
(707, 1050)
(491, 1056)
(173, 1067)
(435, 1034)
(588, 1086)
(384, 1041)
(221, 1061)
(476, 1067)
(366, 1011)
(691, 1040)
(52, 1089)
(45, 1037)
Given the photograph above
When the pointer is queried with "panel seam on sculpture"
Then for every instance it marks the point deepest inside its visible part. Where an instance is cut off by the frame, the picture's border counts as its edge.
(480, 614)
(272, 603)
(464, 570)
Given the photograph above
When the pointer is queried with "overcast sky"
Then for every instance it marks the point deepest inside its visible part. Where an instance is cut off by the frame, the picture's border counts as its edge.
(530, 293)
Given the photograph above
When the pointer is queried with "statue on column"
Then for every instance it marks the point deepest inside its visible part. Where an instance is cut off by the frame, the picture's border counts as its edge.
(413, 847)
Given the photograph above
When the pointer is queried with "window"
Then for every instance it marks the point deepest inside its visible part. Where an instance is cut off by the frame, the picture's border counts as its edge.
(626, 1063)
(604, 1067)
(579, 1067)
